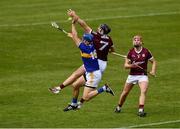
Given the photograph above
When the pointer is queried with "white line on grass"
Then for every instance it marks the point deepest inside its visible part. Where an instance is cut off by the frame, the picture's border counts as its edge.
(24, 24)
(133, 16)
(94, 19)
(158, 123)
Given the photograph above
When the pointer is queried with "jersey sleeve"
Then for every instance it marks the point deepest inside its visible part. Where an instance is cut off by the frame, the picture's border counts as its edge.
(129, 55)
(93, 32)
(149, 55)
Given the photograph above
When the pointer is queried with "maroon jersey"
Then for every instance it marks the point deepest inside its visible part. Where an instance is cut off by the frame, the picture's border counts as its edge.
(102, 44)
(140, 58)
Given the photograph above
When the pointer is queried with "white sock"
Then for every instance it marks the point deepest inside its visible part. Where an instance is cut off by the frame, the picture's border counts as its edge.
(118, 107)
(79, 103)
(104, 88)
(141, 109)
(74, 104)
(58, 88)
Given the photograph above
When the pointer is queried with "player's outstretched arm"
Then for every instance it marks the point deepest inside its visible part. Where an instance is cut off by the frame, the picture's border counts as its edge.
(76, 18)
(74, 35)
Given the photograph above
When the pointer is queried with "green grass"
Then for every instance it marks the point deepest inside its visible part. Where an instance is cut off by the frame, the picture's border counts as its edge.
(35, 57)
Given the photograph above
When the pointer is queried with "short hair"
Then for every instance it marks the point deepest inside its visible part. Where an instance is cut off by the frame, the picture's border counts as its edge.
(138, 36)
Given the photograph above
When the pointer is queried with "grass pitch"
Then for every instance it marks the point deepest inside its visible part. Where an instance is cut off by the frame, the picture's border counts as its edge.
(34, 56)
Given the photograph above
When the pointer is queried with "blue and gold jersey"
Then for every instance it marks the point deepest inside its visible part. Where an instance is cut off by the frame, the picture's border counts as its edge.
(89, 57)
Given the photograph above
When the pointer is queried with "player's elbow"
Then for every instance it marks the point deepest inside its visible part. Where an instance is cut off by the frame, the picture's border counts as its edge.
(74, 34)
(111, 50)
(88, 29)
(155, 62)
(126, 66)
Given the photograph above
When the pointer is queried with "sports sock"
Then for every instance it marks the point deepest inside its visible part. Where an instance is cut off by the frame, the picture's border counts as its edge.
(141, 108)
(118, 108)
(120, 105)
(102, 89)
(74, 101)
(58, 88)
(82, 100)
(61, 86)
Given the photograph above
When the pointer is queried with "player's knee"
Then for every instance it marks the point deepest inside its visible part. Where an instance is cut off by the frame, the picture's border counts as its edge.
(144, 91)
(76, 87)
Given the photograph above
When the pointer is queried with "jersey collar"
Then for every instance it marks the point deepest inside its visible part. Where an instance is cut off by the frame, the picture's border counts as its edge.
(139, 50)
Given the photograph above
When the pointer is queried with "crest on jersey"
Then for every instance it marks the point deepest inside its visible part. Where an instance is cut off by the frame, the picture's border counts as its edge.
(143, 55)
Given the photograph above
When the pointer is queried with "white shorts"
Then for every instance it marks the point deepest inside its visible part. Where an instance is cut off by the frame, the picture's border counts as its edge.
(102, 65)
(134, 79)
(93, 78)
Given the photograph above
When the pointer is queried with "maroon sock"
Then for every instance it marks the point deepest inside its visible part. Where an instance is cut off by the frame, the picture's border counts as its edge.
(82, 100)
(62, 86)
(120, 105)
(141, 106)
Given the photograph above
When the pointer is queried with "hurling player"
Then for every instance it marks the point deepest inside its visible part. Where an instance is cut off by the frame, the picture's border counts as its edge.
(93, 74)
(137, 61)
(103, 45)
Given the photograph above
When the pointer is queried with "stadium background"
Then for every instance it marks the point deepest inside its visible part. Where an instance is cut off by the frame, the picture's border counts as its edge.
(34, 56)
